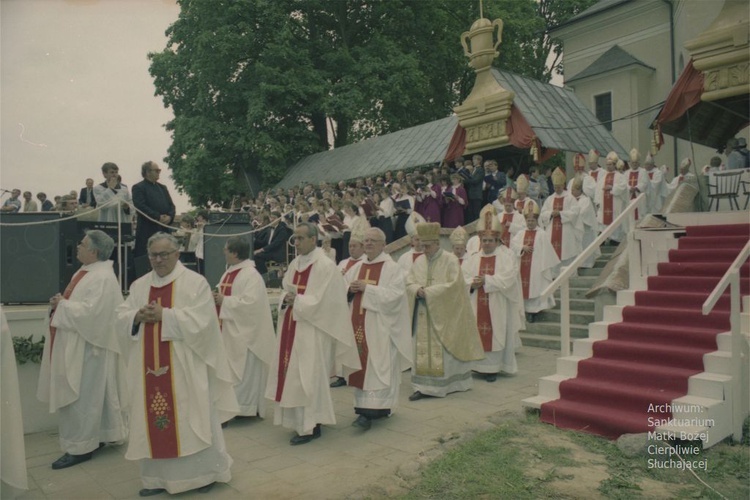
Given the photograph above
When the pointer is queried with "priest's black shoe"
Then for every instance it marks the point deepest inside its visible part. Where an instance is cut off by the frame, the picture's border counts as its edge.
(363, 422)
(491, 377)
(306, 438)
(149, 492)
(69, 460)
(417, 395)
(339, 382)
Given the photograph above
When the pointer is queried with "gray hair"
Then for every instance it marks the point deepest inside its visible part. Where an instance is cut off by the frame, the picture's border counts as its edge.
(101, 243)
(163, 236)
(378, 231)
(312, 229)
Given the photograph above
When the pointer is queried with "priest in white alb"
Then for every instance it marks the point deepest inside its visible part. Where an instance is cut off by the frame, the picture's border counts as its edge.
(82, 376)
(380, 320)
(579, 170)
(587, 217)
(446, 339)
(496, 298)
(611, 196)
(560, 219)
(313, 320)
(638, 181)
(181, 385)
(246, 326)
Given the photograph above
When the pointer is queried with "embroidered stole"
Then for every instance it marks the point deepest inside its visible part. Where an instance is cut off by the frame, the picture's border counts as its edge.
(350, 263)
(557, 229)
(288, 330)
(225, 287)
(66, 295)
(484, 321)
(608, 199)
(633, 182)
(528, 241)
(506, 221)
(158, 382)
(370, 274)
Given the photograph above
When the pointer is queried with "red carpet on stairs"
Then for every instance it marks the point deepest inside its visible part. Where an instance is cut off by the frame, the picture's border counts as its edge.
(649, 356)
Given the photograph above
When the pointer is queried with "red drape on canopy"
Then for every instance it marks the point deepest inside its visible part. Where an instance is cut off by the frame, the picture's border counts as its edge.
(685, 94)
(519, 131)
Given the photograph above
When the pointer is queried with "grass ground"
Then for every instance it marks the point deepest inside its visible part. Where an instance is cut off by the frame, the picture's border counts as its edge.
(518, 457)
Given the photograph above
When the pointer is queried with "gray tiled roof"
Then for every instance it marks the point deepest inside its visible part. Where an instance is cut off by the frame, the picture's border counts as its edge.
(614, 58)
(411, 147)
(558, 118)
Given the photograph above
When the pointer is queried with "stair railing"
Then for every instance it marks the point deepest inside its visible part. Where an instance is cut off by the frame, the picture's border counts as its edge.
(562, 281)
(731, 279)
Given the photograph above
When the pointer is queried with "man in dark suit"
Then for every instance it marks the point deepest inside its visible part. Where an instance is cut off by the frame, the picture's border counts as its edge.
(86, 198)
(274, 247)
(473, 186)
(152, 199)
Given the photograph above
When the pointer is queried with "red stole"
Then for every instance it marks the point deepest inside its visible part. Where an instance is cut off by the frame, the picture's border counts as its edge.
(370, 274)
(288, 330)
(594, 174)
(158, 382)
(680, 179)
(484, 321)
(66, 295)
(608, 199)
(506, 221)
(556, 235)
(528, 241)
(520, 205)
(415, 255)
(225, 287)
(350, 263)
(651, 175)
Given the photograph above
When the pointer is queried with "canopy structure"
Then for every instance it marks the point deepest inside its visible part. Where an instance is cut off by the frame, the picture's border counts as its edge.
(549, 117)
(709, 123)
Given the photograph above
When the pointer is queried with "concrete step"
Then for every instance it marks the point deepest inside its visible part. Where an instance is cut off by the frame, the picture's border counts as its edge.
(535, 402)
(582, 281)
(696, 418)
(553, 329)
(710, 385)
(573, 292)
(594, 271)
(541, 341)
(582, 318)
(576, 305)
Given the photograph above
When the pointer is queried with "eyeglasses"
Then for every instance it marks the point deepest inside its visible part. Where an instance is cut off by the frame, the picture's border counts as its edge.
(160, 255)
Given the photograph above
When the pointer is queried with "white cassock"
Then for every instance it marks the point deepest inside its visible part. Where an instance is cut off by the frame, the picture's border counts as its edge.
(572, 229)
(298, 381)
(188, 384)
(544, 266)
(407, 260)
(605, 214)
(247, 331)
(589, 184)
(386, 331)
(502, 286)
(109, 201)
(13, 451)
(657, 191)
(587, 216)
(82, 376)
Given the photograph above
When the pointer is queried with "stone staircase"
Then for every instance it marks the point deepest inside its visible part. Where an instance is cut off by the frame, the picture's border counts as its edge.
(545, 331)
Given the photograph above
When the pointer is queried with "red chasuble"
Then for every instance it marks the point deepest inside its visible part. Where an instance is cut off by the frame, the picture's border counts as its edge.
(66, 295)
(370, 274)
(158, 381)
(506, 221)
(556, 236)
(594, 174)
(484, 321)
(633, 182)
(608, 199)
(528, 241)
(288, 329)
(225, 287)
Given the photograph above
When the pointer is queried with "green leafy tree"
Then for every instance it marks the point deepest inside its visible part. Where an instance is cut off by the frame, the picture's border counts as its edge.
(255, 85)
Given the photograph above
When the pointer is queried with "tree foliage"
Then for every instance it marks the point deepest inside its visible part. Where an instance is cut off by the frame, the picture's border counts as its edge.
(255, 85)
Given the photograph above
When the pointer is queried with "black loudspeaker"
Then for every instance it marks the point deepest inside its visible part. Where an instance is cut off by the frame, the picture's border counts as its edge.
(214, 238)
(36, 261)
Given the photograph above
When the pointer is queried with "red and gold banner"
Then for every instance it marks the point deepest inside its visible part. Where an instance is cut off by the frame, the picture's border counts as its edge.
(288, 330)
(158, 382)
(556, 235)
(66, 295)
(528, 241)
(370, 274)
(484, 321)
